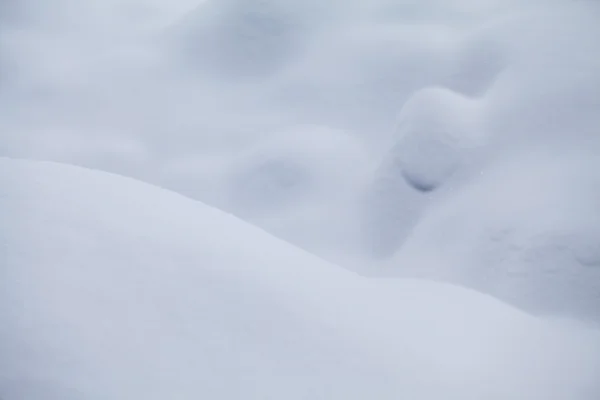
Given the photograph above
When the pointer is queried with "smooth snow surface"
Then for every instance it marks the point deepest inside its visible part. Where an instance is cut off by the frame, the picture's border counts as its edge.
(453, 141)
(116, 289)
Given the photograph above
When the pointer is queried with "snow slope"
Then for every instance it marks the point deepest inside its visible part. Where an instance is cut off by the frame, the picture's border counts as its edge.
(114, 289)
(527, 231)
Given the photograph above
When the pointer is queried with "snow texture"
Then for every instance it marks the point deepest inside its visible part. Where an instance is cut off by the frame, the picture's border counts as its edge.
(117, 289)
(539, 251)
(445, 140)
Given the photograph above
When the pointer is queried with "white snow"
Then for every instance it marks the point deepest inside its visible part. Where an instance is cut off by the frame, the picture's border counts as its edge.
(437, 131)
(117, 289)
(450, 140)
(539, 250)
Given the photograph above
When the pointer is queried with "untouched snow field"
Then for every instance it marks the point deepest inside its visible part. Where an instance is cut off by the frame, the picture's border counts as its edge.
(116, 289)
(300, 199)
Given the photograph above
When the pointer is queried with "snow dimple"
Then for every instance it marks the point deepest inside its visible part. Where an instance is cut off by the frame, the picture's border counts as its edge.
(299, 184)
(426, 162)
(270, 185)
(243, 39)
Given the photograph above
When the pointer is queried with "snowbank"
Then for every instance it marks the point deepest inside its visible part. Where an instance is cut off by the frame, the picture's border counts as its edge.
(116, 289)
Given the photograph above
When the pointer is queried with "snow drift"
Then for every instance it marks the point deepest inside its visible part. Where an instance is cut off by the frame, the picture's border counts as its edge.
(116, 289)
(174, 93)
(537, 249)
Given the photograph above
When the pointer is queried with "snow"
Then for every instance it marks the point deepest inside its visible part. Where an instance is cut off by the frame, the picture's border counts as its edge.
(358, 76)
(538, 251)
(390, 209)
(560, 98)
(233, 38)
(437, 131)
(451, 141)
(439, 139)
(116, 289)
(300, 185)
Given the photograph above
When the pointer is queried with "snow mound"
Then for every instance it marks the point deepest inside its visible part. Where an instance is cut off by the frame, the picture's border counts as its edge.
(437, 130)
(116, 289)
(439, 133)
(526, 231)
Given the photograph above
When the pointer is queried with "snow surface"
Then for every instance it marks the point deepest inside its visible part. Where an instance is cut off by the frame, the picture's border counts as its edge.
(116, 289)
(449, 140)
(539, 251)
(437, 130)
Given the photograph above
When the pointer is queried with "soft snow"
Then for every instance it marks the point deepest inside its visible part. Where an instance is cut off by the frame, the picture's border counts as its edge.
(437, 130)
(539, 250)
(447, 140)
(117, 289)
